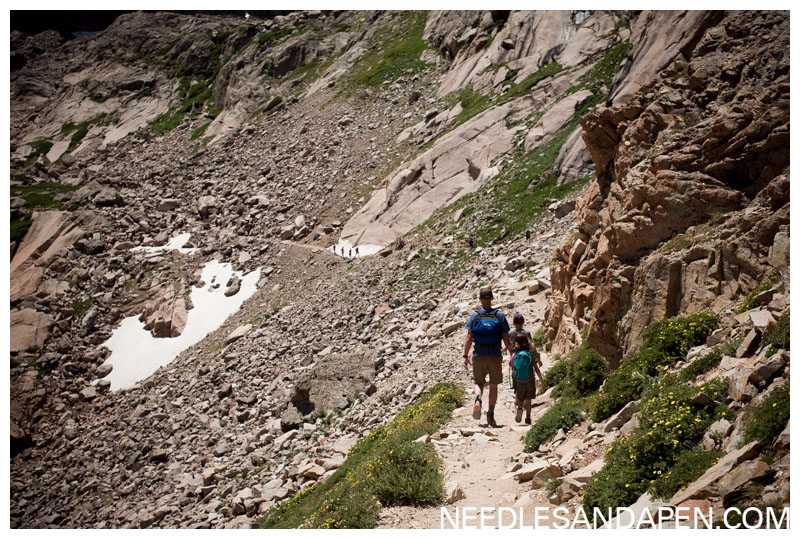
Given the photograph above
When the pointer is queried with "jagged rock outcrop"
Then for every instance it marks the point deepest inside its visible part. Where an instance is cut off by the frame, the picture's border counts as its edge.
(690, 195)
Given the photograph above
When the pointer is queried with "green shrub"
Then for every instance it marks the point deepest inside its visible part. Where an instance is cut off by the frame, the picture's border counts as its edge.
(539, 338)
(81, 306)
(770, 418)
(689, 465)
(579, 374)
(750, 301)
(663, 343)
(19, 227)
(587, 369)
(562, 415)
(406, 474)
(669, 424)
(778, 338)
(348, 498)
(700, 366)
(557, 373)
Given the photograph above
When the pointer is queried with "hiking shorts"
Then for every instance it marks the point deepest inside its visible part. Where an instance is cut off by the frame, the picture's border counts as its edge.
(491, 365)
(525, 390)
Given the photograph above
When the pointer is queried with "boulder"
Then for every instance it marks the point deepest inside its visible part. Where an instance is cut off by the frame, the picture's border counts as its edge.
(453, 492)
(583, 475)
(562, 208)
(29, 329)
(168, 204)
(50, 234)
(730, 486)
(108, 196)
(538, 471)
(238, 333)
(707, 485)
(206, 206)
(620, 418)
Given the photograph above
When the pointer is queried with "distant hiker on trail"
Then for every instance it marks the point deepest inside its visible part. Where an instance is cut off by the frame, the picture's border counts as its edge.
(350, 253)
(471, 241)
(356, 251)
(527, 234)
(488, 327)
(522, 369)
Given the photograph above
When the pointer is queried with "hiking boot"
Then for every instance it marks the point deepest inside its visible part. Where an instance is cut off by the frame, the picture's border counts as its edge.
(476, 410)
(490, 419)
(518, 417)
(528, 420)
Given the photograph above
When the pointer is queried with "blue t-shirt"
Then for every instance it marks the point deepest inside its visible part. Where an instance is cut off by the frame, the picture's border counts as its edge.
(488, 349)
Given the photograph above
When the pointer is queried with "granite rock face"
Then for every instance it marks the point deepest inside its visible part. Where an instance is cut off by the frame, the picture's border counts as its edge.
(691, 191)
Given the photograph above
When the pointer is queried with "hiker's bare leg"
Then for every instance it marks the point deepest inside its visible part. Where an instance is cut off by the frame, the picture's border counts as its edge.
(527, 405)
(479, 390)
(492, 394)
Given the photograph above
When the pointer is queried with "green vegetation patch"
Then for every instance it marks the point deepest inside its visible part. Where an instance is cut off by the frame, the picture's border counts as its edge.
(770, 418)
(778, 338)
(563, 415)
(750, 301)
(272, 36)
(81, 306)
(375, 470)
(670, 423)
(200, 131)
(395, 52)
(700, 366)
(434, 268)
(664, 343)
(578, 374)
(80, 130)
(196, 96)
(40, 196)
(689, 465)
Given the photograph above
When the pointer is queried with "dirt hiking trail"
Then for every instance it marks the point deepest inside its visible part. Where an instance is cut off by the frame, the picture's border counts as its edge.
(477, 459)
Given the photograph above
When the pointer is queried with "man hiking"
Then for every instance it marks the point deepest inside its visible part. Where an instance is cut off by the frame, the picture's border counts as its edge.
(488, 327)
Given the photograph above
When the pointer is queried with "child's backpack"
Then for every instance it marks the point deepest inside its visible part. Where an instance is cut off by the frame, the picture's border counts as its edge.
(522, 366)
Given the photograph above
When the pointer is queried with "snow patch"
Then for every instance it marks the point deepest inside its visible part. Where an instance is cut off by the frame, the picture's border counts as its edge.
(175, 244)
(136, 354)
(363, 250)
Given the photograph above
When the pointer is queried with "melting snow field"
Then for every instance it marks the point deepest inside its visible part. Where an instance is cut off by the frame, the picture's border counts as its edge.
(363, 250)
(136, 354)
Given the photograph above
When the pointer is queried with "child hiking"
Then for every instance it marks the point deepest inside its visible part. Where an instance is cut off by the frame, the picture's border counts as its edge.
(522, 369)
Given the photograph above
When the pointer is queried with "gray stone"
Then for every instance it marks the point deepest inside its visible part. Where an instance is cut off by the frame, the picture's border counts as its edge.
(238, 333)
(620, 418)
(168, 204)
(88, 393)
(707, 485)
(453, 492)
(206, 206)
(749, 344)
(108, 196)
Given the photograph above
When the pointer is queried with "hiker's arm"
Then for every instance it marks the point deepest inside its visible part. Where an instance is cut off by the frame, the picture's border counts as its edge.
(507, 342)
(536, 367)
(467, 346)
